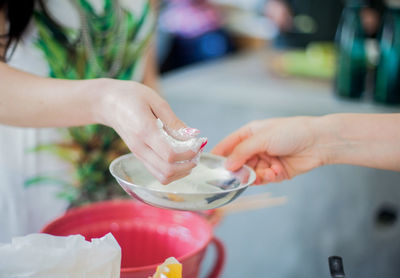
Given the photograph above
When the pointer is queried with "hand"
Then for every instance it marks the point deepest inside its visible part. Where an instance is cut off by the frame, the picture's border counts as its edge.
(132, 110)
(277, 149)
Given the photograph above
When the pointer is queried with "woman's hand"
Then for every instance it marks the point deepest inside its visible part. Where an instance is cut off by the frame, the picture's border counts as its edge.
(129, 107)
(277, 149)
(132, 110)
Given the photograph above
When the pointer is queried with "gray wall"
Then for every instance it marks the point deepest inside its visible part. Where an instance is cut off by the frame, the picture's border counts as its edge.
(330, 211)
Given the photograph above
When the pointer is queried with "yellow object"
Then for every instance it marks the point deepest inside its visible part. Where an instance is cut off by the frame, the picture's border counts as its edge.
(171, 268)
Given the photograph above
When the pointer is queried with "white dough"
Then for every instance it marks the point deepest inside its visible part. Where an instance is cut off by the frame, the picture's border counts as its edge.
(180, 145)
(196, 182)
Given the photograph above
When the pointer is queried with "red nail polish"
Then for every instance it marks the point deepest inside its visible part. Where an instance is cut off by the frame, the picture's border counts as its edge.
(204, 144)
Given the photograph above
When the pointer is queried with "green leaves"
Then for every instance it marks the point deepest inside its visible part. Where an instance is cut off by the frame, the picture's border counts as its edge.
(46, 180)
(115, 34)
(68, 192)
(89, 149)
(67, 152)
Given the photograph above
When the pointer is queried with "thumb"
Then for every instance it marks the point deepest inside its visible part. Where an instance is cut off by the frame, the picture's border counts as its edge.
(244, 151)
(163, 111)
(172, 124)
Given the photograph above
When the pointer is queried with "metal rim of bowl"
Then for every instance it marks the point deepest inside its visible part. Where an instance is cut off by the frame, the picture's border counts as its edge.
(251, 179)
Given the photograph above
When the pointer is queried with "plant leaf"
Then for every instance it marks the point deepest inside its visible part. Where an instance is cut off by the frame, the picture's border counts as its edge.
(40, 180)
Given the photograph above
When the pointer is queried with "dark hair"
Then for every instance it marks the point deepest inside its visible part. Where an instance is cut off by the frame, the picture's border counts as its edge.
(18, 15)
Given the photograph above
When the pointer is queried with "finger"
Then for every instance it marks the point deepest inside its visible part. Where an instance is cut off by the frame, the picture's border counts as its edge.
(155, 173)
(163, 171)
(226, 146)
(157, 166)
(161, 178)
(262, 165)
(169, 173)
(258, 181)
(163, 111)
(279, 169)
(157, 138)
(260, 170)
(245, 150)
(172, 171)
(268, 176)
(275, 173)
(175, 177)
(153, 136)
(144, 153)
(265, 176)
(168, 152)
(252, 162)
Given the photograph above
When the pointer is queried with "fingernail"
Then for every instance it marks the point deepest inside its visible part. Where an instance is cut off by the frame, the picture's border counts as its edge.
(192, 132)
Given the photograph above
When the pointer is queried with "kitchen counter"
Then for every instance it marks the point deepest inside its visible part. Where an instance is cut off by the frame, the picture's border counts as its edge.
(330, 211)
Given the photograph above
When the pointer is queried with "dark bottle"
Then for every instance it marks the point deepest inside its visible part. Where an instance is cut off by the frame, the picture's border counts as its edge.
(387, 84)
(352, 57)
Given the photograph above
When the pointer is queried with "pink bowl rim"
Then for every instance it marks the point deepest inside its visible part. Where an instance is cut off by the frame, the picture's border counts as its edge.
(181, 259)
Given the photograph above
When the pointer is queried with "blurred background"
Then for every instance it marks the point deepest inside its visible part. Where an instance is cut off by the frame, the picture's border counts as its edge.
(224, 63)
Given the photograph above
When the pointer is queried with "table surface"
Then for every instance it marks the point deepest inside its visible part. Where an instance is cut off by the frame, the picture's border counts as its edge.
(330, 211)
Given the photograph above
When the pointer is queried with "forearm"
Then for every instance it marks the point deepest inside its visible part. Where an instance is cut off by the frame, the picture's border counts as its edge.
(370, 140)
(30, 101)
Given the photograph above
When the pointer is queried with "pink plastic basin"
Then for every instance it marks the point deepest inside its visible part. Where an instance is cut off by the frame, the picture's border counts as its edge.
(147, 235)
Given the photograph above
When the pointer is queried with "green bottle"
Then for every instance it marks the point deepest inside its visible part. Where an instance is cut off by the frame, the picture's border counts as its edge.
(352, 57)
(387, 86)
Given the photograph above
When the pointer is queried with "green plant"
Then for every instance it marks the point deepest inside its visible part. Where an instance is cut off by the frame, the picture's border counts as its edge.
(107, 45)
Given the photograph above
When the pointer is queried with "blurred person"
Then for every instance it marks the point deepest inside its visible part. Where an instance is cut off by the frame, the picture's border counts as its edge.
(195, 33)
(280, 149)
(303, 21)
(45, 43)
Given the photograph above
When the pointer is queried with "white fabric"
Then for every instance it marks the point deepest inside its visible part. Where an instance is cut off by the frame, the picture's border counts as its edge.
(26, 210)
(46, 256)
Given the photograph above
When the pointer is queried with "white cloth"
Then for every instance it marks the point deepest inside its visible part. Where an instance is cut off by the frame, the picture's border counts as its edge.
(46, 256)
(26, 210)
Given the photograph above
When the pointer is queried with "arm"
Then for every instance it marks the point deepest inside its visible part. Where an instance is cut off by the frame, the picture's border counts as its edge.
(365, 139)
(129, 107)
(30, 101)
(280, 149)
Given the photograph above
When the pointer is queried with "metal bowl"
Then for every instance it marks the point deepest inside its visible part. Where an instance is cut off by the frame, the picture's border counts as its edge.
(213, 186)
